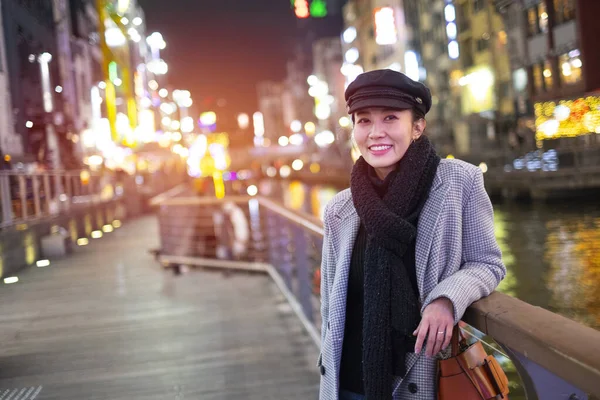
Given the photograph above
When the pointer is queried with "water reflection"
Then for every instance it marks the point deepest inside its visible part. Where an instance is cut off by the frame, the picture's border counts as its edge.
(552, 252)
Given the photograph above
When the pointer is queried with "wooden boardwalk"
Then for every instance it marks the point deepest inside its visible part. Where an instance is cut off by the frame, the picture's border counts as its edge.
(109, 323)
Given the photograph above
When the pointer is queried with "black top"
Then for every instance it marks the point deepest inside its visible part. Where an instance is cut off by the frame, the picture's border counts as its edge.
(351, 372)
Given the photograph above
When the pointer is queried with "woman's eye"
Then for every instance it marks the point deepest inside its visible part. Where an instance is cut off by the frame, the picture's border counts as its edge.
(362, 121)
(391, 117)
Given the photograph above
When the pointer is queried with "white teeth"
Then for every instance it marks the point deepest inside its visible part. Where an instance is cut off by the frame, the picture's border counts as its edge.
(379, 148)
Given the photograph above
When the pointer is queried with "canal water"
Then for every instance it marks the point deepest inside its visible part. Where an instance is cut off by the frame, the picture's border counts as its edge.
(551, 251)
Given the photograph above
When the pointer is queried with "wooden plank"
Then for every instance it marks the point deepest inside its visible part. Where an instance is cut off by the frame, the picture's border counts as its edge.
(108, 323)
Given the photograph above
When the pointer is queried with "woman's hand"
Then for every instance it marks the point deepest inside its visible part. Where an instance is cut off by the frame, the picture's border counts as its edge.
(436, 325)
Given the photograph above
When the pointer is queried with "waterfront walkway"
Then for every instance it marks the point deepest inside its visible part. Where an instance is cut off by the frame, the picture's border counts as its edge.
(110, 323)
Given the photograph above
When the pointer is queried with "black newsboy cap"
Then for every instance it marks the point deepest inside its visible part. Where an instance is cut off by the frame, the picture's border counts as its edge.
(387, 88)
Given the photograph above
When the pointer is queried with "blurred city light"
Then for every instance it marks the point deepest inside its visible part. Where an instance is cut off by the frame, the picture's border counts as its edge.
(167, 108)
(483, 166)
(310, 128)
(114, 37)
(344, 122)
(315, 168)
(296, 126)
(385, 26)
(82, 242)
(163, 93)
(58, 89)
(137, 21)
(243, 120)
(208, 118)
(349, 34)
(158, 67)
(297, 165)
(156, 40)
(259, 123)
(42, 263)
(252, 190)
(29, 124)
(296, 139)
(324, 139)
(187, 124)
(285, 171)
(271, 172)
(11, 279)
(351, 55)
(312, 80)
(301, 8)
(411, 65)
(283, 141)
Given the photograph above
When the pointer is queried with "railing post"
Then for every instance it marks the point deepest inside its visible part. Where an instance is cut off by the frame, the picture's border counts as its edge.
(302, 272)
(36, 195)
(6, 199)
(47, 192)
(23, 195)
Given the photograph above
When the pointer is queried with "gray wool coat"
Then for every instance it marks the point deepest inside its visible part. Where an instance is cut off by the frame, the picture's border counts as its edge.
(457, 257)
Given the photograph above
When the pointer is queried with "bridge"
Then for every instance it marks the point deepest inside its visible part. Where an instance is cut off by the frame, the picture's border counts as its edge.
(153, 310)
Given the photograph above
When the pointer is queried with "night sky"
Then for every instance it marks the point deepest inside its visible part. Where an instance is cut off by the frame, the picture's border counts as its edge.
(220, 49)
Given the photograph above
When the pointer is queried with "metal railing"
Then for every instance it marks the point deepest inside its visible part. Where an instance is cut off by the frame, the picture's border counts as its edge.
(30, 196)
(547, 356)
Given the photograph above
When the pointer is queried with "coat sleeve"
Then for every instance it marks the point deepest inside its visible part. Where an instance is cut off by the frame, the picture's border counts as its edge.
(482, 268)
(326, 260)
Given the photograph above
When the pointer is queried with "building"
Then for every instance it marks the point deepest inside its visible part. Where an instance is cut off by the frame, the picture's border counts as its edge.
(329, 86)
(31, 60)
(10, 143)
(270, 104)
(482, 78)
(560, 71)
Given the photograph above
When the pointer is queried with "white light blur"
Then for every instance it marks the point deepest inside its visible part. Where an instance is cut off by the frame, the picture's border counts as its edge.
(167, 108)
(271, 172)
(252, 190)
(82, 242)
(450, 13)
(312, 80)
(562, 112)
(451, 31)
(297, 165)
(344, 122)
(153, 84)
(102, 85)
(321, 89)
(137, 21)
(208, 118)
(285, 171)
(166, 121)
(296, 139)
(42, 263)
(118, 82)
(322, 111)
(11, 279)
(412, 65)
(324, 139)
(114, 37)
(283, 141)
(259, 123)
(453, 50)
(175, 125)
(44, 59)
(483, 167)
(351, 55)
(145, 102)
(296, 126)
(163, 93)
(243, 120)
(96, 234)
(349, 34)
(187, 124)
(58, 89)
(29, 124)
(158, 67)
(124, 20)
(187, 102)
(385, 26)
(156, 40)
(550, 127)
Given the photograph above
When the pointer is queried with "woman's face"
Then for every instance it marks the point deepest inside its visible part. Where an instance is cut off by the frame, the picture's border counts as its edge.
(383, 136)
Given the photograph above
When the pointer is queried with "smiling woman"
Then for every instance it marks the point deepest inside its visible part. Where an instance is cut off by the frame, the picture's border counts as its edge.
(406, 249)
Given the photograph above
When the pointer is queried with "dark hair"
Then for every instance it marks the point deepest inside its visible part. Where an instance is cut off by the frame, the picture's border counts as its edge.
(416, 115)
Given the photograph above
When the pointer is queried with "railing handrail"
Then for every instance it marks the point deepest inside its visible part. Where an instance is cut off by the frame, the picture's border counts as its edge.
(565, 347)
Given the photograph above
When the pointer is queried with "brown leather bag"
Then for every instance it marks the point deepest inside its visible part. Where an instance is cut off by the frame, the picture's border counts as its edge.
(470, 373)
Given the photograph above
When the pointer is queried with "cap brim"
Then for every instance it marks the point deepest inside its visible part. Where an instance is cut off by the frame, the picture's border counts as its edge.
(378, 102)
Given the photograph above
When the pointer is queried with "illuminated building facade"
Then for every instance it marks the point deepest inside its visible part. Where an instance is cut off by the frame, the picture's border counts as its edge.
(559, 38)
(10, 143)
(30, 58)
(482, 78)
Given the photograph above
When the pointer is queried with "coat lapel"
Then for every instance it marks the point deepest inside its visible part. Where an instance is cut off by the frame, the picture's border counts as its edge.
(426, 228)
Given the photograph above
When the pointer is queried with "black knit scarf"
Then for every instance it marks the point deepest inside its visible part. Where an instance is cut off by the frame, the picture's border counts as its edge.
(391, 308)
